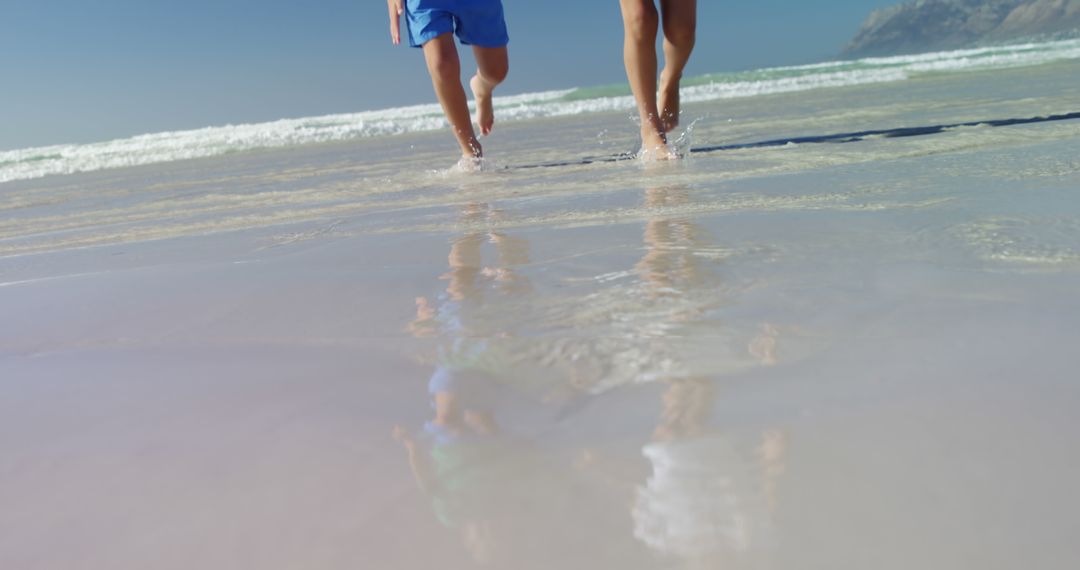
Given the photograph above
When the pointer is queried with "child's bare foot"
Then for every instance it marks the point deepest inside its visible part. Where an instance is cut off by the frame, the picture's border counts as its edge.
(472, 156)
(668, 103)
(470, 163)
(485, 110)
(470, 147)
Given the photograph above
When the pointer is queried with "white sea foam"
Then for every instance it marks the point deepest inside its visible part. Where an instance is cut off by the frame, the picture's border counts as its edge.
(172, 146)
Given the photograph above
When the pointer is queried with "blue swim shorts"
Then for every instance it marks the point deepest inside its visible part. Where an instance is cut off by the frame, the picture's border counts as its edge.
(475, 22)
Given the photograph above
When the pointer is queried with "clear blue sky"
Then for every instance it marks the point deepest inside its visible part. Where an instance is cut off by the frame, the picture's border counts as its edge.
(90, 70)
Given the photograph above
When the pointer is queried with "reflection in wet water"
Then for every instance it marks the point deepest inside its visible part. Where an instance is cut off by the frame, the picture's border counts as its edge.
(455, 457)
(708, 501)
(668, 316)
(703, 503)
(507, 353)
(493, 487)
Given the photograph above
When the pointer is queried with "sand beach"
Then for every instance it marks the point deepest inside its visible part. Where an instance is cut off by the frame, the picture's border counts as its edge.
(792, 350)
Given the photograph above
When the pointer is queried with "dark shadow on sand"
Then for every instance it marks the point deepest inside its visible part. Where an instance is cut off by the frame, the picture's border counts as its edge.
(833, 138)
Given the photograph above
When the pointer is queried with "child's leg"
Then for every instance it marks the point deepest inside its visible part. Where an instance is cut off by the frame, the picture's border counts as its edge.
(445, 68)
(640, 25)
(492, 65)
(680, 25)
(466, 263)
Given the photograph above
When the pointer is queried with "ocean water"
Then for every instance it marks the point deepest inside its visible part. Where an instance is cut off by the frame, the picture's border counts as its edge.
(840, 334)
(215, 141)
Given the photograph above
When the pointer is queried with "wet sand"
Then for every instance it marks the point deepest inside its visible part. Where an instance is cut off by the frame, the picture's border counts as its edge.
(835, 355)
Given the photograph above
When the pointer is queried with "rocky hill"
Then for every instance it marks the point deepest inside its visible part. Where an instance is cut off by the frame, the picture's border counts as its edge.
(931, 25)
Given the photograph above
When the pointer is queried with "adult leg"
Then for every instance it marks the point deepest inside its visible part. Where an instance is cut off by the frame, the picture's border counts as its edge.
(640, 25)
(492, 66)
(680, 31)
(445, 69)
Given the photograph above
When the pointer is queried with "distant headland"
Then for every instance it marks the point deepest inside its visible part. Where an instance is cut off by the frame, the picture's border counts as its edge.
(933, 25)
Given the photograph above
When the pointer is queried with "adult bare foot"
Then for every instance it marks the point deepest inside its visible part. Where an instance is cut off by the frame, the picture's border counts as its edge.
(654, 145)
(485, 111)
(668, 103)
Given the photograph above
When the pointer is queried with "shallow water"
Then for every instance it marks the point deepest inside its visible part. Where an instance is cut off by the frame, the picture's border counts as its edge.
(822, 355)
